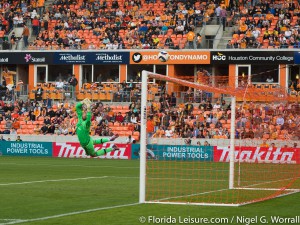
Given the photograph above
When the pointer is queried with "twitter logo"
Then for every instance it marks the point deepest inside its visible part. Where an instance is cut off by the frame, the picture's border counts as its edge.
(137, 57)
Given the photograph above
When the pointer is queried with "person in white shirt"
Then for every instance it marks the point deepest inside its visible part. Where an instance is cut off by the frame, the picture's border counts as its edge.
(217, 12)
(115, 45)
(109, 46)
(256, 33)
(119, 13)
(169, 133)
(133, 119)
(288, 33)
(270, 79)
(33, 14)
(129, 140)
(280, 120)
(66, 25)
(217, 105)
(59, 84)
(179, 29)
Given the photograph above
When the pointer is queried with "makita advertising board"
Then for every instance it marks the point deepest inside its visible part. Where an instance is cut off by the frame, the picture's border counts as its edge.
(74, 150)
(25, 148)
(259, 155)
(175, 152)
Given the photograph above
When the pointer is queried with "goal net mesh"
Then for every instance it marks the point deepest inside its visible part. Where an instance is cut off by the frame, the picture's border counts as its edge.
(188, 142)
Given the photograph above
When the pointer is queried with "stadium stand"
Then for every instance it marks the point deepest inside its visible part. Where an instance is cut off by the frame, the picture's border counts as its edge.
(190, 120)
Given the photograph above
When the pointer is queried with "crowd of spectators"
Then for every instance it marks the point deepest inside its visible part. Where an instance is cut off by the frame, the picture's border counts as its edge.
(117, 25)
(166, 119)
(265, 24)
(143, 24)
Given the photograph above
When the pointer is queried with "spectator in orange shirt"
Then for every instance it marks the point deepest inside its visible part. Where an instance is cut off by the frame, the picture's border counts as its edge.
(190, 37)
(150, 127)
(16, 124)
(264, 144)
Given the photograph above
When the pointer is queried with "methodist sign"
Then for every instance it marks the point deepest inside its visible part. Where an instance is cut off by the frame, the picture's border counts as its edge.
(252, 57)
(91, 58)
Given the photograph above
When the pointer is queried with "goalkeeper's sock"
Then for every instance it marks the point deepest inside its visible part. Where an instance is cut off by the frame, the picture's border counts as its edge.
(104, 151)
(101, 141)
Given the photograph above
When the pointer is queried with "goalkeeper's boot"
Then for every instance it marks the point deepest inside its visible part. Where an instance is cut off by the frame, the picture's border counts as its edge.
(114, 137)
(115, 148)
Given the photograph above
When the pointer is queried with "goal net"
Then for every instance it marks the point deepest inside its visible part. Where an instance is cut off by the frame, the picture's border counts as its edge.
(218, 144)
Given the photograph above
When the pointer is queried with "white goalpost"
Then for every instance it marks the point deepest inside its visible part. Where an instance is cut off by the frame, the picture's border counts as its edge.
(143, 137)
(177, 177)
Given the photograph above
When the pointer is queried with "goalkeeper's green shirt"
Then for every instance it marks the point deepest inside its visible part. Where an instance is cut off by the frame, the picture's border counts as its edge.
(83, 126)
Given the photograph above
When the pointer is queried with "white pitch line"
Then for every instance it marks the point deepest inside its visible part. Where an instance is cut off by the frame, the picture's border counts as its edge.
(189, 195)
(267, 182)
(69, 214)
(74, 165)
(44, 181)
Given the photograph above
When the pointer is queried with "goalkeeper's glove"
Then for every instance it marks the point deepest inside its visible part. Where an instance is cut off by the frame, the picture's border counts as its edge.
(88, 104)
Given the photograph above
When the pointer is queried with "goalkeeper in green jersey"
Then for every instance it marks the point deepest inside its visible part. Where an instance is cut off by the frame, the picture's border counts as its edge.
(83, 131)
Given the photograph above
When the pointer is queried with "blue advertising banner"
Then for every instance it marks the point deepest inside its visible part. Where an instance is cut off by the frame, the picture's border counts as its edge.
(25, 148)
(175, 152)
(297, 58)
(91, 58)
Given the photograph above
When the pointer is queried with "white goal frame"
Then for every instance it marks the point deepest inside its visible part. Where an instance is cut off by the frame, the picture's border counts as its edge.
(143, 150)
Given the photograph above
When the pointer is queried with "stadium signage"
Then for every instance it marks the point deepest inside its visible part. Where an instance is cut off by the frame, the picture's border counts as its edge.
(257, 57)
(70, 58)
(297, 57)
(175, 152)
(3, 60)
(91, 58)
(173, 57)
(26, 148)
(74, 150)
(26, 58)
(259, 155)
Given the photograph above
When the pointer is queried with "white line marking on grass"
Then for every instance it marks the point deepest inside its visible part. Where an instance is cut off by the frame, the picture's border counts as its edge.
(69, 214)
(44, 181)
(189, 195)
(74, 165)
(267, 182)
(168, 178)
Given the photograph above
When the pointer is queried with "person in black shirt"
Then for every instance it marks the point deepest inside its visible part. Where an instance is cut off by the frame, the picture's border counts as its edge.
(73, 83)
(44, 129)
(51, 129)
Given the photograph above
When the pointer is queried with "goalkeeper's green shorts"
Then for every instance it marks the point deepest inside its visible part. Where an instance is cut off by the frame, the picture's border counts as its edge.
(89, 148)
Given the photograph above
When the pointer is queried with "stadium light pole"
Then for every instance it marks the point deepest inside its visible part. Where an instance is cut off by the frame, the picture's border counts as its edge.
(143, 141)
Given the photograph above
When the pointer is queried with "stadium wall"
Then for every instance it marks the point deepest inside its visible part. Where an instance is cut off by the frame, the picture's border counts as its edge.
(181, 64)
(159, 141)
(246, 154)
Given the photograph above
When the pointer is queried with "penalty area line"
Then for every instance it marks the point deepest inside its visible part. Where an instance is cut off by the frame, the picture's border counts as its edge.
(69, 214)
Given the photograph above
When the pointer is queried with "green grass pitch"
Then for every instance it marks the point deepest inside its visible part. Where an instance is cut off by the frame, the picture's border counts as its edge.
(50, 191)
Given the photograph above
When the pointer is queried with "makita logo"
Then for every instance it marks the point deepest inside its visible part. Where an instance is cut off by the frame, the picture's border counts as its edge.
(258, 155)
(73, 57)
(219, 57)
(68, 150)
(106, 57)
